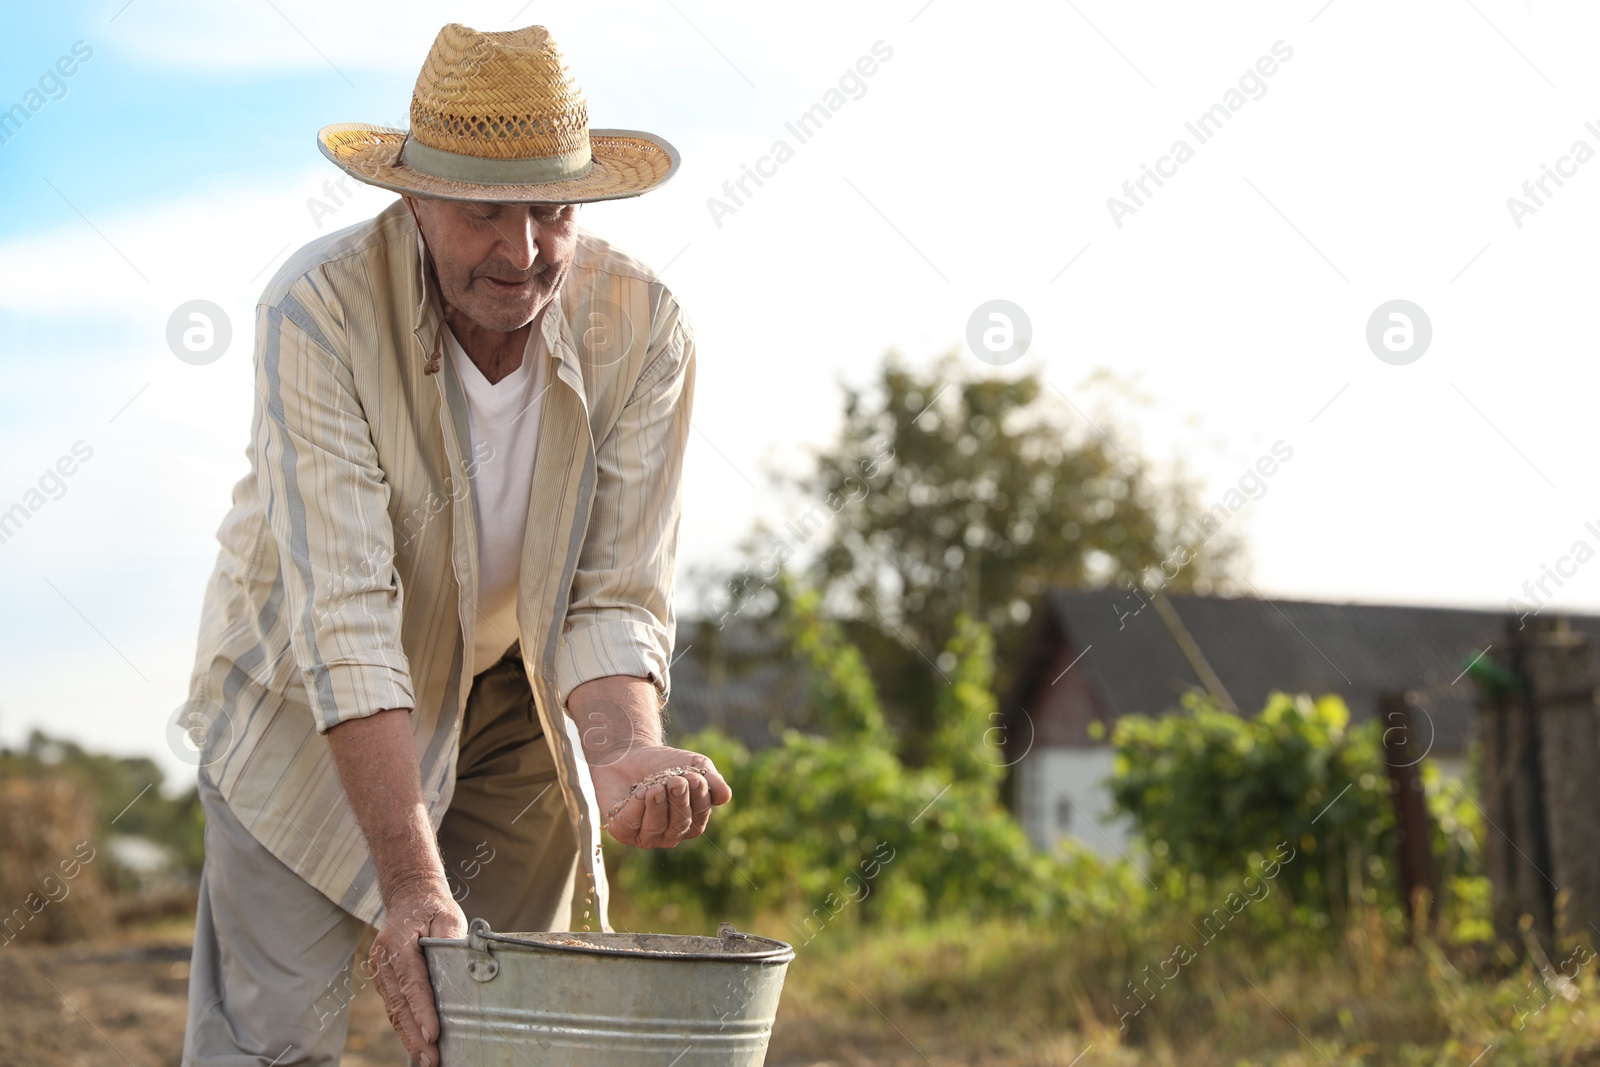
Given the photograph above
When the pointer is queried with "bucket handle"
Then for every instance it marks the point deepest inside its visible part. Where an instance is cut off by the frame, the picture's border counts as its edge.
(481, 964)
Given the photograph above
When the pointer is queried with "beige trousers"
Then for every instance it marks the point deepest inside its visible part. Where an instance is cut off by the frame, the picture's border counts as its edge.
(273, 971)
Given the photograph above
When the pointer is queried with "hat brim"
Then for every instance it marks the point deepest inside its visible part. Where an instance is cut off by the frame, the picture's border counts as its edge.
(626, 163)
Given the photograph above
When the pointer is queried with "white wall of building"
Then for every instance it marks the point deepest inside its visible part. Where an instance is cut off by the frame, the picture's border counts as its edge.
(1063, 792)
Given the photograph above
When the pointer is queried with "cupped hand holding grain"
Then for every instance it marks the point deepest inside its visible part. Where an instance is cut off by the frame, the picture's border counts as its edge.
(656, 796)
(651, 794)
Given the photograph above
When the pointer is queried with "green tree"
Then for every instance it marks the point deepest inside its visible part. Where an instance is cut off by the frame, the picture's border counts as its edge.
(842, 697)
(950, 493)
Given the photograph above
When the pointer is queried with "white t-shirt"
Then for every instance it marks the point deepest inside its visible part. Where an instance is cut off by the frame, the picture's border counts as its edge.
(504, 423)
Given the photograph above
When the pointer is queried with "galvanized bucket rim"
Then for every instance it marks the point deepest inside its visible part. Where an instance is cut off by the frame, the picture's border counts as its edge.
(780, 952)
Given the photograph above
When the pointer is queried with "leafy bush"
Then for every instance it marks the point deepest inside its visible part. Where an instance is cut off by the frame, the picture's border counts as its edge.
(1458, 826)
(966, 722)
(1213, 793)
(819, 825)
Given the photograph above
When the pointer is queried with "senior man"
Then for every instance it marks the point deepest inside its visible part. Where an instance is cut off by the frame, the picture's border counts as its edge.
(435, 645)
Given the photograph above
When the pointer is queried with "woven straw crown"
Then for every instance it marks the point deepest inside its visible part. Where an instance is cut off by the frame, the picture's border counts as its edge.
(499, 96)
(499, 116)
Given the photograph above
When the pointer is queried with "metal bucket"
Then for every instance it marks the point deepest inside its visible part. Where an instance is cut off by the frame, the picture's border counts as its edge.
(602, 999)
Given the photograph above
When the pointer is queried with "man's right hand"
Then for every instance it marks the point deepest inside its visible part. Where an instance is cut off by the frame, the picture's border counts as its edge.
(402, 970)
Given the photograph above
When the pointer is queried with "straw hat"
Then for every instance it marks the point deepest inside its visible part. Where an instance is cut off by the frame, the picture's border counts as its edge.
(498, 117)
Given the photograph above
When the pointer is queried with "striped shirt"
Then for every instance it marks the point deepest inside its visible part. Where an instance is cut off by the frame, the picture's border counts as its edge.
(348, 561)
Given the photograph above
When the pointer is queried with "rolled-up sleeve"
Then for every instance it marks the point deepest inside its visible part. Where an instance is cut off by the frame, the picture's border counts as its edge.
(327, 505)
(619, 618)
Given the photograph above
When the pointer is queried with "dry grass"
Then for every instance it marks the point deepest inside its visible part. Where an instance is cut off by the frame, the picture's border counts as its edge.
(51, 887)
(997, 994)
(1013, 994)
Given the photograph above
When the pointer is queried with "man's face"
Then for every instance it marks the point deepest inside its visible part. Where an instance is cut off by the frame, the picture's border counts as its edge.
(498, 263)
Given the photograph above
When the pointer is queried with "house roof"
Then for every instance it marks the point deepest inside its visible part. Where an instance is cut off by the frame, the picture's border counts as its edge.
(742, 679)
(1126, 659)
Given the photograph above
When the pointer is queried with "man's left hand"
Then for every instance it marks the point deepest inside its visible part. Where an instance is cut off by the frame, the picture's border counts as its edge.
(663, 814)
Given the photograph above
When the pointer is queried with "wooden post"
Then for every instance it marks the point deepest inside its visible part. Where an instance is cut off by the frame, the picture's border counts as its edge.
(1561, 667)
(1516, 849)
(1403, 752)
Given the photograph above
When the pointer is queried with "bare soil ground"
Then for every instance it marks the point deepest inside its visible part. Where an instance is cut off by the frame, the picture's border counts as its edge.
(123, 1001)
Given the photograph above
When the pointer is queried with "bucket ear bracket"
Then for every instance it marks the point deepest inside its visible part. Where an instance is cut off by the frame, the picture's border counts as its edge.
(481, 964)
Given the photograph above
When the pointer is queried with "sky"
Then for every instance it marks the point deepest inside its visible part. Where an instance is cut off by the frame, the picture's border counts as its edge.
(1358, 154)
